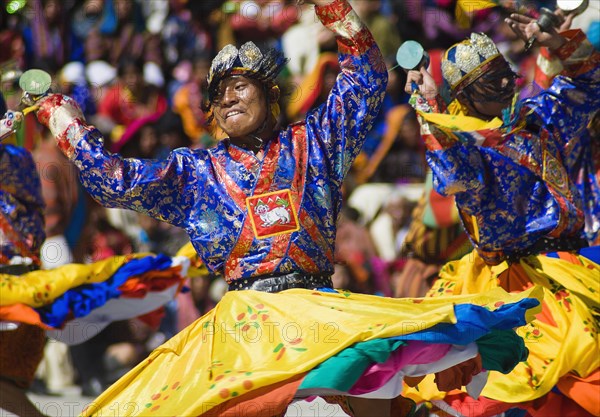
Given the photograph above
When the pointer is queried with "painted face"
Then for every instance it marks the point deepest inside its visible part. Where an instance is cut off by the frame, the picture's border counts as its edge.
(240, 106)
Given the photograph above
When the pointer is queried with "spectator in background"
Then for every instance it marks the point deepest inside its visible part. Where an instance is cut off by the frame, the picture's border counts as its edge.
(60, 191)
(400, 156)
(95, 47)
(152, 137)
(434, 21)
(64, 217)
(382, 27)
(355, 250)
(435, 236)
(123, 25)
(140, 139)
(72, 81)
(11, 39)
(48, 37)
(154, 60)
(171, 135)
(303, 43)
(86, 16)
(117, 347)
(186, 33)
(206, 290)
(100, 76)
(131, 98)
(315, 87)
(394, 96)
(187, 103)
(262, 21)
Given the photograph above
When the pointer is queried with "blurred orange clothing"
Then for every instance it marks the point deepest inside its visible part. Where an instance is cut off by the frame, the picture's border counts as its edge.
(186, 102)
(60, 186)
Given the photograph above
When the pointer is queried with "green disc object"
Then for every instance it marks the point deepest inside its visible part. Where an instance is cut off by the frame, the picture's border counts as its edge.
(35, 82)
(409, 55)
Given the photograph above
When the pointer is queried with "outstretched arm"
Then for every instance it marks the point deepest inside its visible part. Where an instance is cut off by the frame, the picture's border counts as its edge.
(162, 189)
(568, 68)
(566, 52)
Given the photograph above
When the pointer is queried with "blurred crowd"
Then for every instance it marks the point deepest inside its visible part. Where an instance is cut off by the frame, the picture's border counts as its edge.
(138, 70)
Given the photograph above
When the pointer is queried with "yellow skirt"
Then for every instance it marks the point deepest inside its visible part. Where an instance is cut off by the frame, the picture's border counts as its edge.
(563, 340)
(257, 345)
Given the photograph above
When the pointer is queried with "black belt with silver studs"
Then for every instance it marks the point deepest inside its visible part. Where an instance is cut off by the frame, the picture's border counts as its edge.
(547, 244)
(276, 283)
(17, 269)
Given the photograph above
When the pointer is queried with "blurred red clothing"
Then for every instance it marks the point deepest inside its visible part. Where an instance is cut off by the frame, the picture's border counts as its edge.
(120, 106)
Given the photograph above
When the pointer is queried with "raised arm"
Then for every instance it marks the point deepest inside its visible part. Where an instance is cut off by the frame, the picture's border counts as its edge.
(571, 74)
(340, 125)
(162, 189)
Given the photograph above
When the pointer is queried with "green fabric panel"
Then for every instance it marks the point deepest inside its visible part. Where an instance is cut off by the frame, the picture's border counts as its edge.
(341, 371)
(501, 350)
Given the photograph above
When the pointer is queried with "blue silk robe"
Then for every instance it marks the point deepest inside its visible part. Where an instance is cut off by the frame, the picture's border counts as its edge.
(246, 216)
(535, 176)
(21, 205)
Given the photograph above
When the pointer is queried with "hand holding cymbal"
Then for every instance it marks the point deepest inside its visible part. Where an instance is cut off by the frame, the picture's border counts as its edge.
(35, 84)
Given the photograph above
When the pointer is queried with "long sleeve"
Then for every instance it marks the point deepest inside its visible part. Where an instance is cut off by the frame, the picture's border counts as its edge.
(519, 182)
(152, 187)
(574, 95)
(564, 109)
(21, 205)
(340, 125)
(576, 57)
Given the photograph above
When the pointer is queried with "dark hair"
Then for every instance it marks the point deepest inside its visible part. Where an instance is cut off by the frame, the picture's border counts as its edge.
(127, 61)
(169, 122)
(48, 64)
(2, 105)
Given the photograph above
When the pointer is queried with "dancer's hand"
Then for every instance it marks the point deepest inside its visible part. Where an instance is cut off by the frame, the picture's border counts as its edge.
(565, 19)
(528, 29)
(423, 80)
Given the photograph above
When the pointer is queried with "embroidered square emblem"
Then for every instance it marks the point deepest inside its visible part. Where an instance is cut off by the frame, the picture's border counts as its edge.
(272, 214)
(554, 173)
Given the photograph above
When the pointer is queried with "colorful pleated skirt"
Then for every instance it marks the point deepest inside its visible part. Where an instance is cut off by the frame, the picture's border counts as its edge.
(561, 376)
(256, 353)
(73, 303)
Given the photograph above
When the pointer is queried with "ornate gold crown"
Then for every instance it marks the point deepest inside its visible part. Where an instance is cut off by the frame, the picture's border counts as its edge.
(466, 61)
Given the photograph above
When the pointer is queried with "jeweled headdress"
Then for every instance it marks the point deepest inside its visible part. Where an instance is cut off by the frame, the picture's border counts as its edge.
(249, 61)
(465, 62)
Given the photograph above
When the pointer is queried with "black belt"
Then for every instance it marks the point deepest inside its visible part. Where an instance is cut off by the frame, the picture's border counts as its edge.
(547, 244)
(18, 269)
(276, 283)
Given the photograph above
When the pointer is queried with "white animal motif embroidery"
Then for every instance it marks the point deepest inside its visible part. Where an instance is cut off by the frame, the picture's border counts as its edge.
(278, 215)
